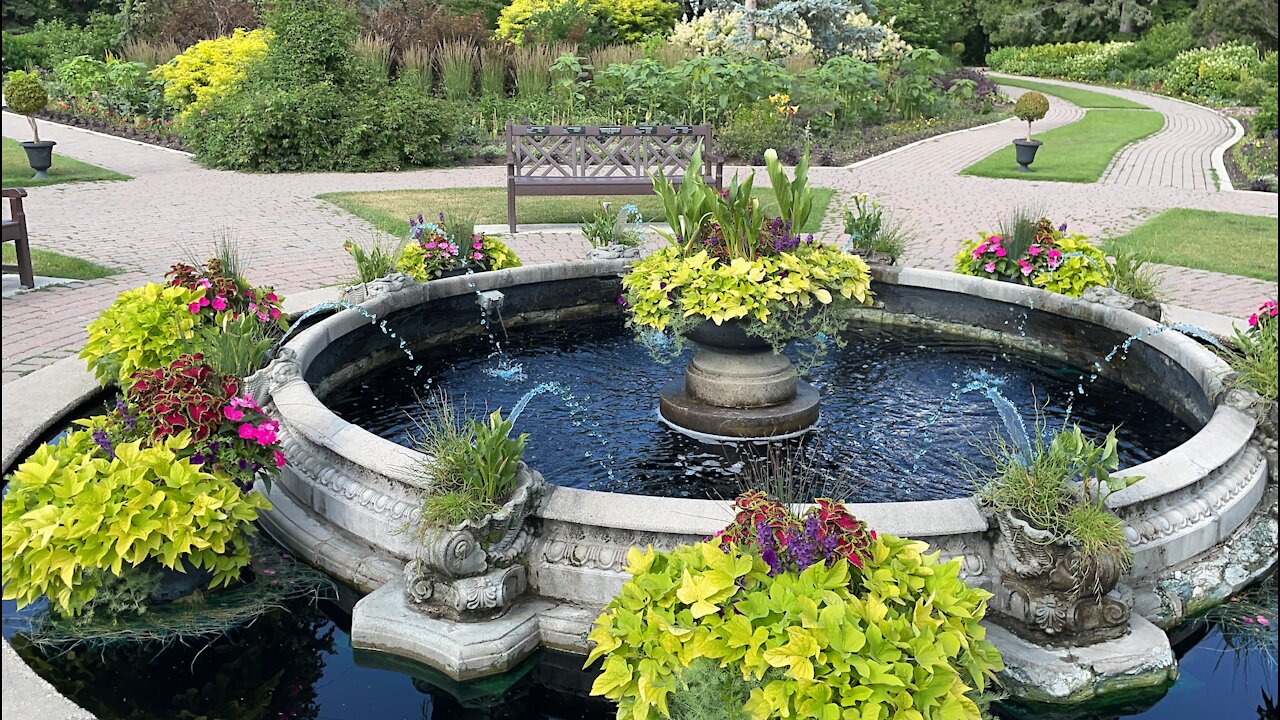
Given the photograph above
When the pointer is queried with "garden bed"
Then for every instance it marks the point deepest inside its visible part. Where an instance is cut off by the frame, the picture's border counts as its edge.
(107, 128)
(871, 140)
(1252, 160)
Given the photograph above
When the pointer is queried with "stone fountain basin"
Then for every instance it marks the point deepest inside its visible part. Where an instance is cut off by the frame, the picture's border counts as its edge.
(346, 491)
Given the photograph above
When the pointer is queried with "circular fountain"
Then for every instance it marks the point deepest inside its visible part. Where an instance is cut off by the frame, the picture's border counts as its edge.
(1197, 522)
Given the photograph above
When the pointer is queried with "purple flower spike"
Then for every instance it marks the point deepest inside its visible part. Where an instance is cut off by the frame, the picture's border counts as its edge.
(1062, 227)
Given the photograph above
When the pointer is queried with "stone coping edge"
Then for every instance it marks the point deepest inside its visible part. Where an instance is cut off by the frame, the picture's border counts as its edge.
(36, 402)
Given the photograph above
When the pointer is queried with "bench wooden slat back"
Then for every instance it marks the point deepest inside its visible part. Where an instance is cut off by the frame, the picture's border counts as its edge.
(553, 160)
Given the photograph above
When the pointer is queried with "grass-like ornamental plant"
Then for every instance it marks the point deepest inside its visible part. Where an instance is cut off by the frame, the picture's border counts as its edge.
(75, 512)
(902, 635)
(1059, 484)
(1031, 106)
(472, 464)
(1053, 260)
(870, 231)
(1131, 275)
(25, 95)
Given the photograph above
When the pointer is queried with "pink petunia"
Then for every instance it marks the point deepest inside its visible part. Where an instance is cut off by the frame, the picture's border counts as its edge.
(219, 303)
(1027, 267)
(1055, 255)
(477, 245)
(1001, 252)
(253, 307)
(248, 431)
(272, 297)
(275, 313)
(262, 315)
(204, 302)
(1253, 320)
(1034, 250)
(279, 458)
(995, 239)
(233, 414)
(204, 283)
(195, 308)
(478, 256)
(989, 267)
(431, 245)
(1263, 621)
(977, 252)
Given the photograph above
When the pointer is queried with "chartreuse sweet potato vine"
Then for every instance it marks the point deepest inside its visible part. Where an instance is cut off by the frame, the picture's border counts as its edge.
(898, 640)
(73, 514)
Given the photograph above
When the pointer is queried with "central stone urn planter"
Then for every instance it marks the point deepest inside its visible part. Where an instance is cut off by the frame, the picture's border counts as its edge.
(39, 157)
(1025, 153)
(1050, 593)
(737, 387)
(474, 570)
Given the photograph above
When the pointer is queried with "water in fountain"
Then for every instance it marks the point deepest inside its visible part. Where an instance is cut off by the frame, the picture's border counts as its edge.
(342, 305)
(882, 420)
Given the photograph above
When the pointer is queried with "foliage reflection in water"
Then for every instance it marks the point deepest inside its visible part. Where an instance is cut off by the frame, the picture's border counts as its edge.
(895, 423)
(299, 665)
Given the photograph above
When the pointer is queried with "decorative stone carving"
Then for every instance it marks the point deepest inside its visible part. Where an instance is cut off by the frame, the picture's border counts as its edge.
(283, 368)
(1113, 298)
(393, 282)
(473, 568)
(1263, 412)
(1050, 594)
(614, 252)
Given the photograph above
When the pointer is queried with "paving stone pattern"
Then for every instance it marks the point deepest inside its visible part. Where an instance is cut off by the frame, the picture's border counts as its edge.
(174, 209)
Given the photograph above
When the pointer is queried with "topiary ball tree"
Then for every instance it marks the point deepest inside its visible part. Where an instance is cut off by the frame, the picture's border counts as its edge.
(25, 95)
(1030, 107)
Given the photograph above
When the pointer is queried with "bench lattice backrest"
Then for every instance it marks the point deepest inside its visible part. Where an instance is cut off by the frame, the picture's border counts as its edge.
(565, 153)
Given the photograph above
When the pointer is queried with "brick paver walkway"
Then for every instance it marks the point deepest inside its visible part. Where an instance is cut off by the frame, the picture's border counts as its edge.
(174, 209)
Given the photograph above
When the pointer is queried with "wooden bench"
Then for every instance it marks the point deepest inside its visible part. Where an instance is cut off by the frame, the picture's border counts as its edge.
(550, 160)
(15, 229)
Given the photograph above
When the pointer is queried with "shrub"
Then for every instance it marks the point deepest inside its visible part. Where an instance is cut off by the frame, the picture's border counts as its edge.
(76, 512)
(25, 95)
(209, 68)
(123, 88)
(53, 42)
(1031, 106)
(590, 23)
(423, 23)
(815, 643)
(1264, 123)
(752, 129)
(186, 22)
(1211, 73)
(145, 328)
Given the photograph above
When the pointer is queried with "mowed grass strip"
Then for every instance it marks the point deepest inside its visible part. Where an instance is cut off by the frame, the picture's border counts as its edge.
(52, 264)
(1217, 241)
(390, 211)
(17, 172)
(1083, 98)
(1079, 152)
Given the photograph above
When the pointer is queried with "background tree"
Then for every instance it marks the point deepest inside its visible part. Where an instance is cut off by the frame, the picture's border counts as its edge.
(928, 23)
(1251, 21)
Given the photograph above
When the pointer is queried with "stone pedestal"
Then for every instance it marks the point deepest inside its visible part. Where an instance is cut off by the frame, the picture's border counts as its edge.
(736, 387)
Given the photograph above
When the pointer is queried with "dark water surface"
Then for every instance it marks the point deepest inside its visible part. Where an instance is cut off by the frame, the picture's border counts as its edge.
(892, 426)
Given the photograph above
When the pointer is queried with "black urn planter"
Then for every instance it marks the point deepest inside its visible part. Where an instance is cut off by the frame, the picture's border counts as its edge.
(1025, 153)
(40, 157)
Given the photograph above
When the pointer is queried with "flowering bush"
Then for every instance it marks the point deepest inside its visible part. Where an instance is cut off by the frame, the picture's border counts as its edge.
(209, 68)
(435, 249)
(790, 543)
(1054, 260)
(229, 432)
(814, 642)
(223, 292)
(1213, 73)
(1254, 357)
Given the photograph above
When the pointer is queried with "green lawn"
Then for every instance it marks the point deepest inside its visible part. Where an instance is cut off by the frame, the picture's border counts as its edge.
(1221, 242)
(1083, 98)
(1078, 152)
(52, 264)
(390, 210)
(17, 173)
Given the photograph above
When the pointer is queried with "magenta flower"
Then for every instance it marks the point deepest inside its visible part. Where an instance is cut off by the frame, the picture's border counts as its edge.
(248, 431)
(279, 458)
(1263, 621)
(275, 313)
(1027, 267)
(233, 414)
(272, 297)
(989, 267)
(219, 303)
(478, 256)
(204, 283)
(195, 308)
(1001, 252)
(1034, 250)
(477, 245)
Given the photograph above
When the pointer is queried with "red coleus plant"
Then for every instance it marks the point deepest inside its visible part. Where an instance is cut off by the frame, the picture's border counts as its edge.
(790, 542)
(230, 433)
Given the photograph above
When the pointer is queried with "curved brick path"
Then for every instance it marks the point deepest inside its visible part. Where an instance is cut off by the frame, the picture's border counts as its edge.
(1180, 155)
(174, 209)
